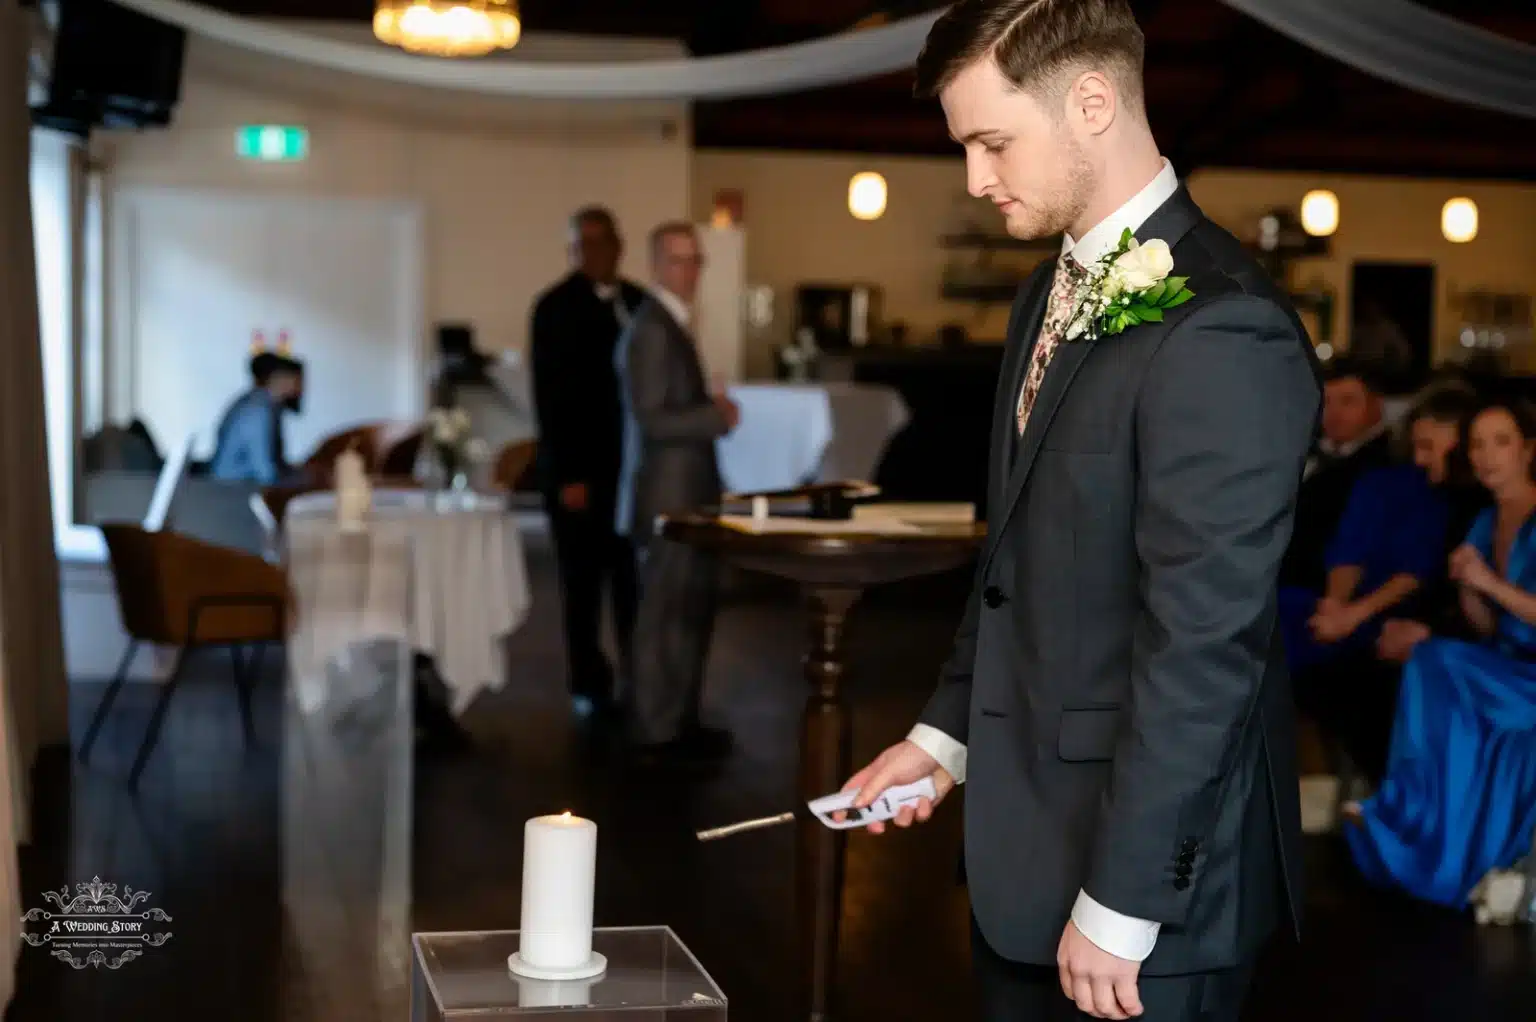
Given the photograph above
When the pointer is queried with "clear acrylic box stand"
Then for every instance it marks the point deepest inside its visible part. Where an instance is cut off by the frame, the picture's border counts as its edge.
(650, 974)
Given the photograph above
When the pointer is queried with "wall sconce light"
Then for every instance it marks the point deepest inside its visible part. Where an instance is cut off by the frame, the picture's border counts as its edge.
(1458, 220)
(1320, 213)
(867, 195)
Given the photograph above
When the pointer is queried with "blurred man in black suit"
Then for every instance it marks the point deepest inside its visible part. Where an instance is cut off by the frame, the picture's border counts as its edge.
(576, 324)
(1354, 440)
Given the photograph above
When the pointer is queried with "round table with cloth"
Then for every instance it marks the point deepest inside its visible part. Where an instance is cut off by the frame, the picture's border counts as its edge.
(445, 570)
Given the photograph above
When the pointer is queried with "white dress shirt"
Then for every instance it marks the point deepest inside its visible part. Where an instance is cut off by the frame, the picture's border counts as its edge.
(1121, 935)
(613, 294)
(675, 306)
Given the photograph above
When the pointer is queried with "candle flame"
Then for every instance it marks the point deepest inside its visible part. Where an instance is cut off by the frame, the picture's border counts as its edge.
(566, 815)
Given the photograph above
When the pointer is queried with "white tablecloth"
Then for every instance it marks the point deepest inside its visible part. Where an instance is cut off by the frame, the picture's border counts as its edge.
(451, 579)
(792, 434)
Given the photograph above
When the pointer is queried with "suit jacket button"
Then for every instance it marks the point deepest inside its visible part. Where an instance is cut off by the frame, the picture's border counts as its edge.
(993, 597)
(1181, 883)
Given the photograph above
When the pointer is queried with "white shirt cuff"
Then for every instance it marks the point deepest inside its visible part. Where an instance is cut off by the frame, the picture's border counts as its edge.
(1122, 936)
(949, 753)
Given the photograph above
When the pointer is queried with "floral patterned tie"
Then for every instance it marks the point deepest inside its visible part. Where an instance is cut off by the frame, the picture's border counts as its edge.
(1070, 275)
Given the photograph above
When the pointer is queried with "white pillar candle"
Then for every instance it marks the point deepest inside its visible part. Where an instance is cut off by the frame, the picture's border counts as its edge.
(559, 868)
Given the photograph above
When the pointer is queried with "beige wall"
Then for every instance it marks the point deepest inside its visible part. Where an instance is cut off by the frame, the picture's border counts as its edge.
(494, 180)
(798, 228)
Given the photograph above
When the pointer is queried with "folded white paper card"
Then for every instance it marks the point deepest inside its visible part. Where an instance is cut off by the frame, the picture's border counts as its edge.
(820, 526)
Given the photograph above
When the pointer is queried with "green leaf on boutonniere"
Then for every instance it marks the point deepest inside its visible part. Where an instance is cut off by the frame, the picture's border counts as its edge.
(1155, 293)
(1179, 299)
(1150, 314)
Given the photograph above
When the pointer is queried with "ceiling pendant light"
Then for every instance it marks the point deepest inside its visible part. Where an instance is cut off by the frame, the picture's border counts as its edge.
(867, 195)
(1458, 220)
(1320, 213)
(448, 28)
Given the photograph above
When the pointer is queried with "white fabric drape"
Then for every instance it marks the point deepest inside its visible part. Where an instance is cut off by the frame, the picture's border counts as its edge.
(1411, 45)
(1397, 40)
(34, 708)
(32, 683)
(29, 569)
(822, 62)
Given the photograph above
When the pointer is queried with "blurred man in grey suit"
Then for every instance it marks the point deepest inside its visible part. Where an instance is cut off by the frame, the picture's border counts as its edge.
(671, 421)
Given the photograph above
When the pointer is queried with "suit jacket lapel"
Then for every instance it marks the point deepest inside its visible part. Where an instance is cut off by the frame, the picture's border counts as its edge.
(1170, 221)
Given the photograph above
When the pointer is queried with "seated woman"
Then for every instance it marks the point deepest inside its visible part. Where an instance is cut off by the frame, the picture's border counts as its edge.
(1393, 545)
(1390, 543)
(1459, 795)
(248, 442)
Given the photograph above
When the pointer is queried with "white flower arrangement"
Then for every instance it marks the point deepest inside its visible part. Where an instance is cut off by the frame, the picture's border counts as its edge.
(449, 426)
(1131, 286)
(457, 450)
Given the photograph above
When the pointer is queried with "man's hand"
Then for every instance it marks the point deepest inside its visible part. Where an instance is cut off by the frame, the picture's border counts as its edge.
(1335, 621)
(729, 409)
(1398, 638)
(1095, 980)
(902, 763)
(573, 496)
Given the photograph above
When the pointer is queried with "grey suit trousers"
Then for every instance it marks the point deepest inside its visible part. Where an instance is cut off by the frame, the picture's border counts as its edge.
(679, 587)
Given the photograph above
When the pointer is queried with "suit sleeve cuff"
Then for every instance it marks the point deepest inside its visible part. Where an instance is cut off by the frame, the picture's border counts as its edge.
(949, 753)
(1122, 936)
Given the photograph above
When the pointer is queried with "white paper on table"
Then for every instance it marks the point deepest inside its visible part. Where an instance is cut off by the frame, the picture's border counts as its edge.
(921, 513)
(820, 526)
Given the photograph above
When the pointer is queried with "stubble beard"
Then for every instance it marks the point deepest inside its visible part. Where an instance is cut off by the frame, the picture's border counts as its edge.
(1063, 206)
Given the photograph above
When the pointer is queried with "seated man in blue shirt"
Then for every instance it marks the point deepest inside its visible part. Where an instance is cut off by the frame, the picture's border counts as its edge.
(249, 444)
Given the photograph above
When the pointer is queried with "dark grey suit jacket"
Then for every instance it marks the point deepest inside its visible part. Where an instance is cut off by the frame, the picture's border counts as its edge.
(1118, 677)
(670, 423)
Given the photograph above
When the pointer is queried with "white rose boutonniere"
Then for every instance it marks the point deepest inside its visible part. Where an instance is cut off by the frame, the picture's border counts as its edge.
(1140, 266)
(1131, 285)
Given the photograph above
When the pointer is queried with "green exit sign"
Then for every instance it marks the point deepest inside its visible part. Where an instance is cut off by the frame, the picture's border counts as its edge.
(272, 143)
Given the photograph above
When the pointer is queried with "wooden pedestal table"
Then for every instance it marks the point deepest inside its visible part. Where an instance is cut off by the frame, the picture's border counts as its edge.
(833, 566)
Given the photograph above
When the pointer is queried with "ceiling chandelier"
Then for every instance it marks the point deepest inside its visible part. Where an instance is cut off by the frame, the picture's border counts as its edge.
(448, 28)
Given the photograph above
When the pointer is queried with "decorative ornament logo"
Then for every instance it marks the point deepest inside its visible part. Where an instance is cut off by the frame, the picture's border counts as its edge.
(95, 928)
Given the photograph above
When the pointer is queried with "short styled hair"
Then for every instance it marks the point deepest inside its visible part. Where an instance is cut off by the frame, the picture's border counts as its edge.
(671, 229)
(1036, 44)
(1347, 367)
(599, 216)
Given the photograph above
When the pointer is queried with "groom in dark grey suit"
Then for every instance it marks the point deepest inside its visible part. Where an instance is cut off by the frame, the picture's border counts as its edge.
(671, 421)
(1117, 699)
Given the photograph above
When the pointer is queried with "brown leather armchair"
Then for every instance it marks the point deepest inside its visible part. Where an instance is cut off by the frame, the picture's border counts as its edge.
(176, 591)
(513, 465)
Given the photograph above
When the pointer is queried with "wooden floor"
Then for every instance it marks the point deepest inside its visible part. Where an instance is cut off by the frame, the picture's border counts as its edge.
(203, 838)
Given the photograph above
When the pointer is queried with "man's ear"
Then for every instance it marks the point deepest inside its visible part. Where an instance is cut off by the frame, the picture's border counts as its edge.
(1092, 101)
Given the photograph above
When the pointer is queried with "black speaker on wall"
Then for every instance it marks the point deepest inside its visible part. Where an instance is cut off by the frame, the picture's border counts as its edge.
(110, 67)
(1392, 321)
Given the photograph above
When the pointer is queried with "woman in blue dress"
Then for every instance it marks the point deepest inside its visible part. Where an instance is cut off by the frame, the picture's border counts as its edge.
(1459, 795)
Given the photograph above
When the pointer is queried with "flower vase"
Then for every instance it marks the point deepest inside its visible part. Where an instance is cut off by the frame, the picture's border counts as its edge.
(459, 489)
